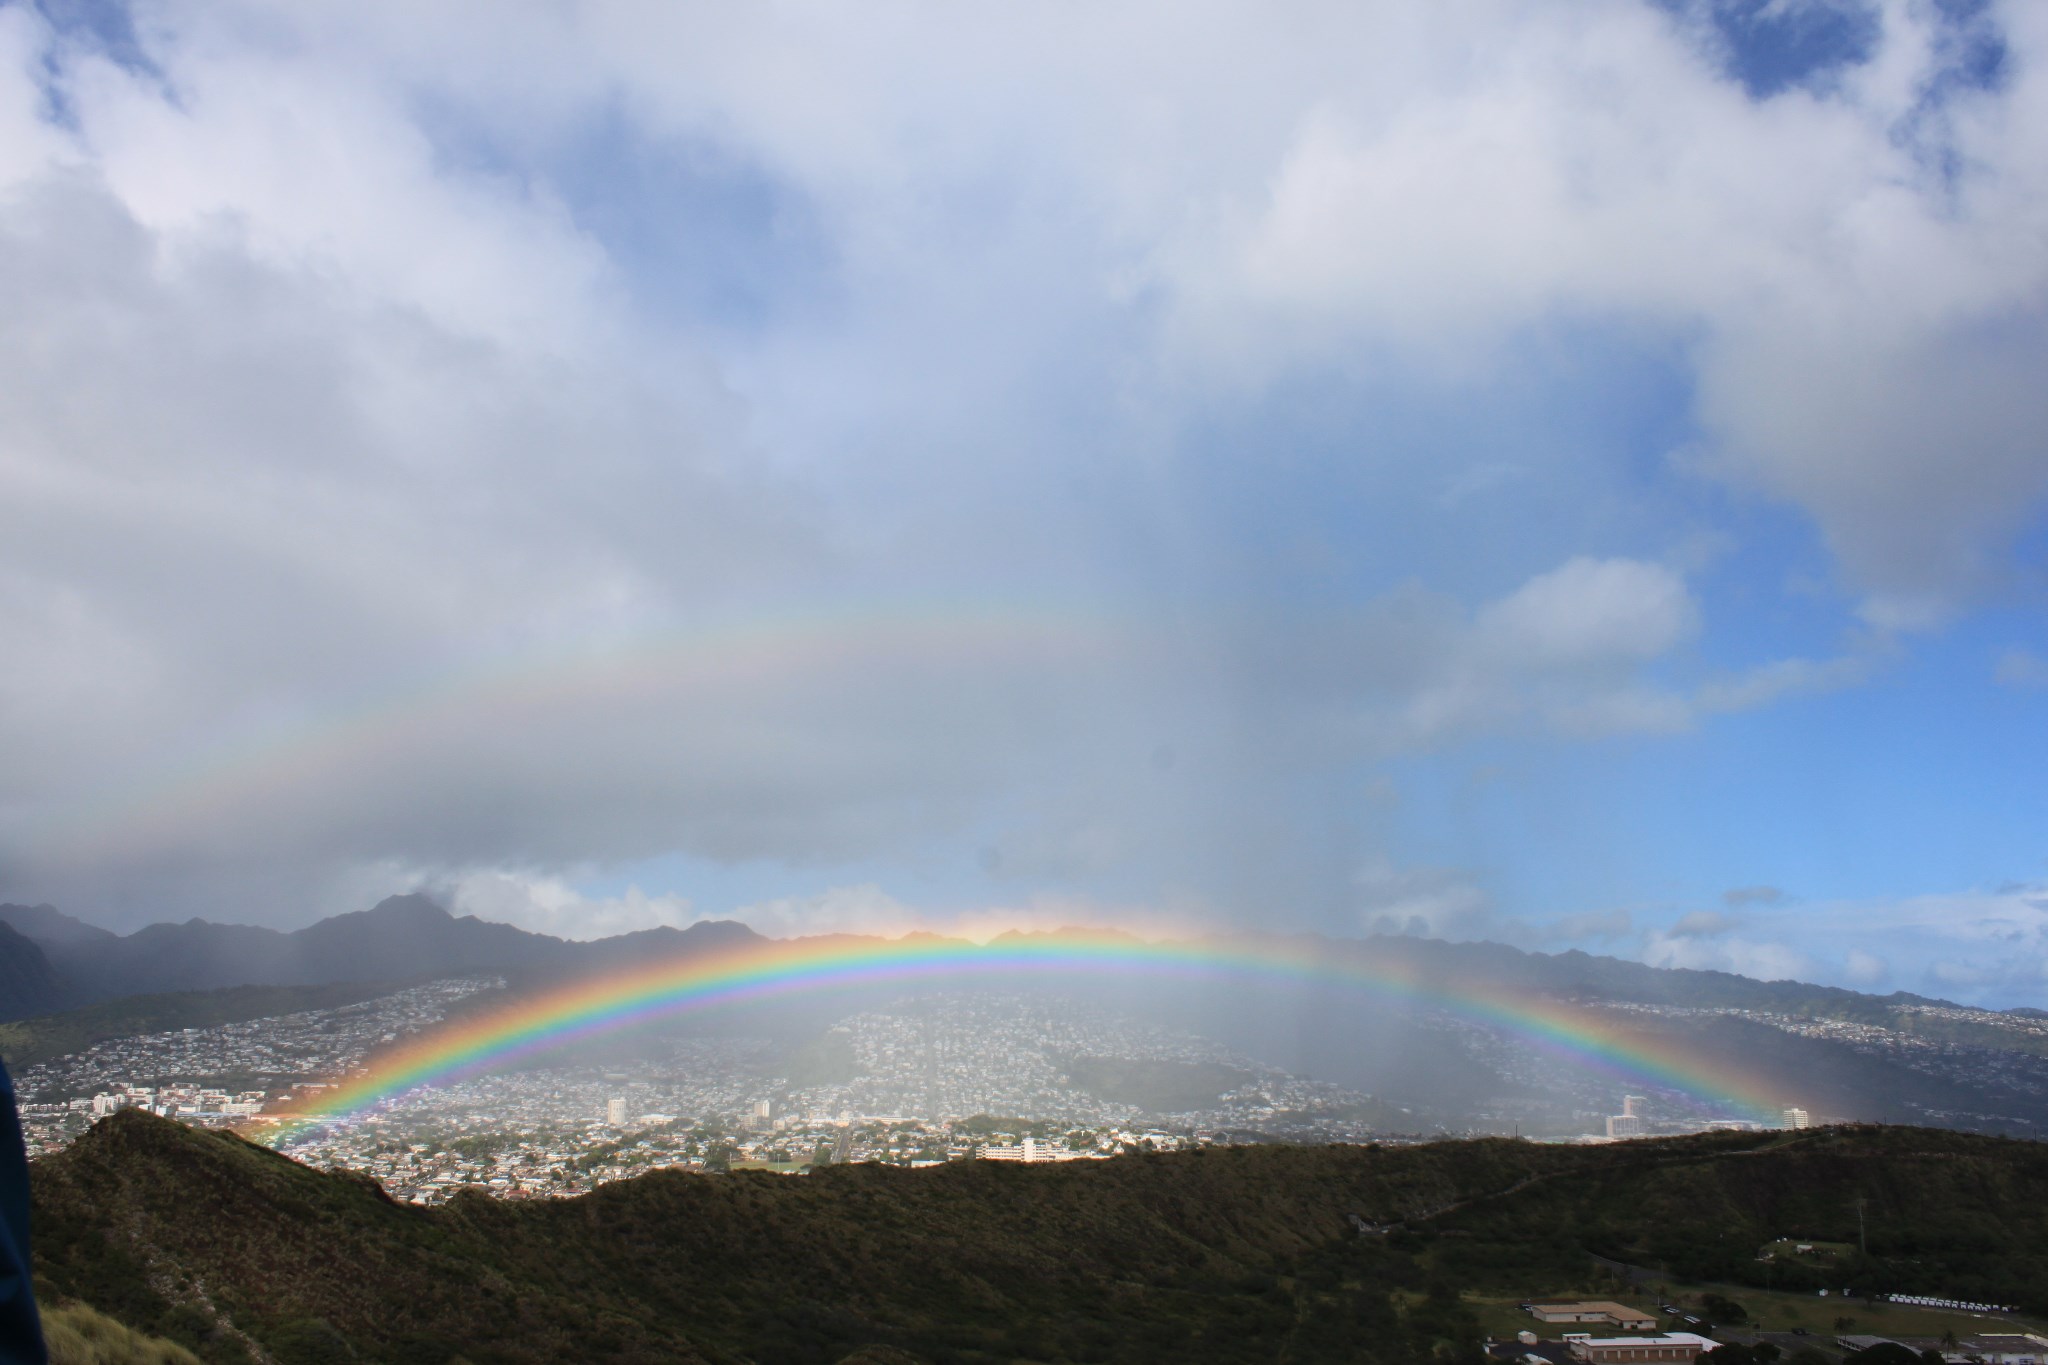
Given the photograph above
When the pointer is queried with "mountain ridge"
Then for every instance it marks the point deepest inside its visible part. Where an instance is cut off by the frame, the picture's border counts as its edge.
(400, 938)
(405, 936)
(27, 981)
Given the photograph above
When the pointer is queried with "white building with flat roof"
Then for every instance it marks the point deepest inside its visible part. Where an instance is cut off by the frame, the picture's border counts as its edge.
(1668, 1348)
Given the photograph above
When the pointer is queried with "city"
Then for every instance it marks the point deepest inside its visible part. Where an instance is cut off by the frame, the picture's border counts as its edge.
(932, 1079)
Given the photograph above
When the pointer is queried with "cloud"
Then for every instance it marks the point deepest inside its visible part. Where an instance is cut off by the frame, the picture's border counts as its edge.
(550, 905)
(1701, 924)
(1857, 264)
(1865, 969)
(1767, 683)
(841, 910)
(2019, 668)
(1740, 896)
(1420, 901)
(1762, 960)
(1853, 261)
(502, 448)
(1981, 947)
(1591, 612)
(867, 909)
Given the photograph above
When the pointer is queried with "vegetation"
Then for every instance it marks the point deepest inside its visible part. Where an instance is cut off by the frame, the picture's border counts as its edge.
(78, 1335)
(1242, 1254)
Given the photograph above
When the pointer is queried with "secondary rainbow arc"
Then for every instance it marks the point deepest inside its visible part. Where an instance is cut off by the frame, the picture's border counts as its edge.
(400, 713)
(643, 994)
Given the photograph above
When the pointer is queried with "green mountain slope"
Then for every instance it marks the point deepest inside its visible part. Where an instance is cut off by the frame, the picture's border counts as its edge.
(1239, 1254)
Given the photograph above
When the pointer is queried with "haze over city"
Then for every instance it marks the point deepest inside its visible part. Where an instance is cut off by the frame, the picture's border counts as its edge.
(1568, 475)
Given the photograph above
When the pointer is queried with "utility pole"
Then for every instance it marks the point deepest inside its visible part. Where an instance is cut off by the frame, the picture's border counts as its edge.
(1862, 1241)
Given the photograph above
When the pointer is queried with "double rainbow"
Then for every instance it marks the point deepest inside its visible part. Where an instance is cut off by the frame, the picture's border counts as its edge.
(776, 968)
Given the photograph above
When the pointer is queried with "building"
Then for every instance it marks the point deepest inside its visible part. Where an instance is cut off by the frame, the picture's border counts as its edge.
(1031, 1149)
(615, 1111)
(1628, 1123)
(1797, 1118)
(1669, 1348)
(1598, 1310)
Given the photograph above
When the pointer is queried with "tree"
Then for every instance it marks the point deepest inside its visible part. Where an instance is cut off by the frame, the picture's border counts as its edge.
(1884, 1353)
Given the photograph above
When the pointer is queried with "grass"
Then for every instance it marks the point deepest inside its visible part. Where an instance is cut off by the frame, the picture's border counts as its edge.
(1781, 1312)
(1769, 1312)
(79, 1335)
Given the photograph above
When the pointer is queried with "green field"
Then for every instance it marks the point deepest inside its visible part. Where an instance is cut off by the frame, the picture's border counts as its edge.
(1769, 1312)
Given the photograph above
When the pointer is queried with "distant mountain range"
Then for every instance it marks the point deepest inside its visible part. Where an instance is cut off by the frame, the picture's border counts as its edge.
(411, 936)
(401, 938)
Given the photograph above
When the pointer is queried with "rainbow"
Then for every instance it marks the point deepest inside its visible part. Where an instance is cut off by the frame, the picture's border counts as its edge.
(779, 968)
(671, 668)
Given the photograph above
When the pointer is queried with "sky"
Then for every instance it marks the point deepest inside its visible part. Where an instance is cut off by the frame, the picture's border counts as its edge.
(1569, 475)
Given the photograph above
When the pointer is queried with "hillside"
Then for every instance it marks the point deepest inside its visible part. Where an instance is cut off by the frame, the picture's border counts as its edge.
(27, 983)
(1235, 1254)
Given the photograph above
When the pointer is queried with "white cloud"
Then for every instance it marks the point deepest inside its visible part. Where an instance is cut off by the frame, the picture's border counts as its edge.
(1701, 924)
(1763, 960)
(2022, 669)
(1856, 266)
(350, 479)
(868, 909)
(1769, 682)
(1591, 612)
(1864, 280)
(551, 905)
(1426, 902)
(1980, 947)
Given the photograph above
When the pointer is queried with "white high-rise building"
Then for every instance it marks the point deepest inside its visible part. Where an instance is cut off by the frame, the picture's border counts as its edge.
(1797, 1118)
(1628, 1123)
(615, 1111)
